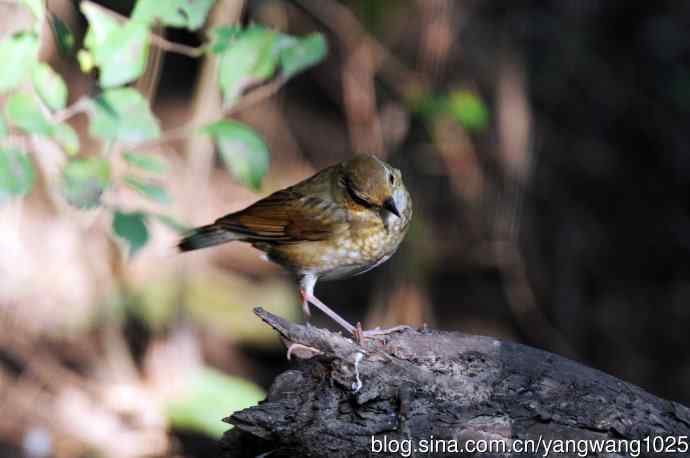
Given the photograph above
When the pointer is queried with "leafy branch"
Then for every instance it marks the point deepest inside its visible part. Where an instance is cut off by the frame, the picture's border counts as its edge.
(254, 63)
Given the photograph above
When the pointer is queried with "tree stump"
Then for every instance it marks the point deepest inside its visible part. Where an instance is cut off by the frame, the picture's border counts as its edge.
(348, 400)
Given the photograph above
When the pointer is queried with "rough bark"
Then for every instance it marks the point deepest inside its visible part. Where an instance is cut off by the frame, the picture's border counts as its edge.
(419, 384)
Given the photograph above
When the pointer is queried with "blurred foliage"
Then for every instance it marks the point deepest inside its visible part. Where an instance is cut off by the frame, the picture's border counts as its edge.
(122, 127)
(244, 153)
(222, 303)
(118, 48)
(84, 181)
(466, 107)
(16, 173)
(18, 54)
(256, 54)
(132, 228)
(208, 396)
(50, 86)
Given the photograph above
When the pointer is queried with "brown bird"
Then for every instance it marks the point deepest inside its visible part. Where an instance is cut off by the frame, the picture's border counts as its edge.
(342, 221)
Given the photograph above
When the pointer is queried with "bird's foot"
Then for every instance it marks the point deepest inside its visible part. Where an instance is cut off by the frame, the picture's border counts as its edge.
(360, 334)
(300, 350)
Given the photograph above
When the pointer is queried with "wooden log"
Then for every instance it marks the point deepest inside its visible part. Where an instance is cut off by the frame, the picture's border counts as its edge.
(451, 390)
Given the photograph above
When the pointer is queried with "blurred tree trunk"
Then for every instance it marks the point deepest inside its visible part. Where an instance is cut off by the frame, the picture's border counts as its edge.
(423, 384)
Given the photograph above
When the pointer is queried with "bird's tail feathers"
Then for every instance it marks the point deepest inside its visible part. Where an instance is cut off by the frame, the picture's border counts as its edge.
(206, 236)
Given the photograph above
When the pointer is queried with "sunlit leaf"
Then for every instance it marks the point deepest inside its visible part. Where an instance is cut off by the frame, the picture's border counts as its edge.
(37, 8)
(468, 109)
(18, 54)
(151, 190)
(222, 36)
(67, 138)
(122, 57)
(50, 86)
(304, 53)
(84, 181)
(101, 25)
(132, 228)
(63, 35)
(244, 153)
(209, 396)
(85, 60)
(16, 173)
(173, 13)
(119, 50)
(251, 58)
(23, 111)
(147, 162)
(122, 114)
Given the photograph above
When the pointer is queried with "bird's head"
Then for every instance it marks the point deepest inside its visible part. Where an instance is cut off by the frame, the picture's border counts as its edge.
(372, 183)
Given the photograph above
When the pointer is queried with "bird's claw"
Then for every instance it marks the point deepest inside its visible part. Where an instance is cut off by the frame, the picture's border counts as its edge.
(300, 348)
(360, 334)
(382, 332)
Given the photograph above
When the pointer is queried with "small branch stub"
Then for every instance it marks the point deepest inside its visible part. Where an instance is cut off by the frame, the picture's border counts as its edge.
(343, 398)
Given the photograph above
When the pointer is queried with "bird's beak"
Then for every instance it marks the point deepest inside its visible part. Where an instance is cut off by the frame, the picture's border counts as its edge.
(389, 204)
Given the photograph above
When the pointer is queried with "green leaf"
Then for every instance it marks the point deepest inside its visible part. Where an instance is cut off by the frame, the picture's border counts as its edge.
(122, 57)
(222, 36)
(16, 173)
(3, 129)
(304, 53)
(244, 153)
(50, 86)
(151, 190)
(173, 13)
(23, 111)
(147, 162)
(132, 228)
(18, 54)
(85, 60)
(122, 114)
(84, 181)
(468, 109)
(208, 397)
(37, 9)
(67, 138)
(120, 51)
(63, 35)
(252, 58)
(101, 25)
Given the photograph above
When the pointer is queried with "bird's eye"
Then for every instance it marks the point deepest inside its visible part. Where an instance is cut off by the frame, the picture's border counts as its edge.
(391, 178)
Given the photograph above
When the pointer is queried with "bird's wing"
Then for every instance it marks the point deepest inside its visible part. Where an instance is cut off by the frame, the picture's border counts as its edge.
(286, 216)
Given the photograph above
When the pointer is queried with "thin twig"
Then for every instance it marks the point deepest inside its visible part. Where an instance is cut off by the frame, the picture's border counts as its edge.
(176, 133)
(77, 107)
(259, 94)
(248, 100)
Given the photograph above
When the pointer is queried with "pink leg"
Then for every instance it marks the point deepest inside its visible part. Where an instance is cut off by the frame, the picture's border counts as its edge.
(305, 304)
(307, 283)
(310, 298)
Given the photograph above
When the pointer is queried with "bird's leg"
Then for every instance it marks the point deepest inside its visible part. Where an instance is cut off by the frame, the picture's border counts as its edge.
(306, 284)
(328, 311)
(305, 304)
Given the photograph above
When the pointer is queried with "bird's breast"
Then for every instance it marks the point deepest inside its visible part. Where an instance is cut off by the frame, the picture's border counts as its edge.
(361, 244)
